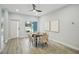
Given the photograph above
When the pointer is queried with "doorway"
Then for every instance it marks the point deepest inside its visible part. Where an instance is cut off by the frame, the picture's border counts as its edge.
(14, 29)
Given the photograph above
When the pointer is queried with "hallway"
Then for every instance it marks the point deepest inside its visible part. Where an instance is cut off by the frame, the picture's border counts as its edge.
(22, 46)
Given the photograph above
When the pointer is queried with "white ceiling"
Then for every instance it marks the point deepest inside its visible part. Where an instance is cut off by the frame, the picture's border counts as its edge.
(24, 8)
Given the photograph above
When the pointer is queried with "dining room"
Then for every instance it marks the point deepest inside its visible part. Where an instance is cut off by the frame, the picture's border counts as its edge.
(39, 29)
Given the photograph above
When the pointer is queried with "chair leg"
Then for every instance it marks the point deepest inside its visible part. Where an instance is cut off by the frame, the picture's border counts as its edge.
(42, 45)
(45, 44)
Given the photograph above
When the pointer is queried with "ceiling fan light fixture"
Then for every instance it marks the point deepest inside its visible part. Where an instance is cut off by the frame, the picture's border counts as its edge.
(34, 10)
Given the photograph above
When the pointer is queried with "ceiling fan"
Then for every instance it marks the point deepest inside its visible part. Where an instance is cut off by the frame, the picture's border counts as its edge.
(34, 8)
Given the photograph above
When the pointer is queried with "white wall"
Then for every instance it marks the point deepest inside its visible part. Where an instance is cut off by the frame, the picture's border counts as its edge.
(4, 32)
(69, 33)
(0, 28)
(22, 18)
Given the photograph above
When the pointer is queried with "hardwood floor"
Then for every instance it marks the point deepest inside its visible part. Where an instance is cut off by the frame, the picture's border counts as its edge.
(23, 46)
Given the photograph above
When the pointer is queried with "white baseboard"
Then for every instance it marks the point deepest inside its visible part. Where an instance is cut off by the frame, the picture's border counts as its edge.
(70, 46)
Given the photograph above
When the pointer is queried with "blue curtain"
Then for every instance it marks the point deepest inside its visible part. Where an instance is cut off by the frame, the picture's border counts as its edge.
(34, 26)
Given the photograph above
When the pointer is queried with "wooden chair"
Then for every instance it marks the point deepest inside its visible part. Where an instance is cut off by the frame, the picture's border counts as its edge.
(31, 40)
(44, 39)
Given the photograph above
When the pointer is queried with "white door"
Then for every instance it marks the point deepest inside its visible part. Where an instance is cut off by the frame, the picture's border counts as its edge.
(14, 29)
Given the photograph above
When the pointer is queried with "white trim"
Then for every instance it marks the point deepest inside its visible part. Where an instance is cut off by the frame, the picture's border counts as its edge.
(17, 29)
(73, 47)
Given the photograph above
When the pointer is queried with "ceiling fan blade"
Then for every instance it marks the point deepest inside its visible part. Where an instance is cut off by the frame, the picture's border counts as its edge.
(38, 10)
(33, 6)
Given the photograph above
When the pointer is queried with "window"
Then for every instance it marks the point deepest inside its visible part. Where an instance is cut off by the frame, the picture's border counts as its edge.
(28, 27)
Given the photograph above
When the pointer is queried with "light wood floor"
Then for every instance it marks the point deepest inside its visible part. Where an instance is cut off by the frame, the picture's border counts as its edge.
(23, 46)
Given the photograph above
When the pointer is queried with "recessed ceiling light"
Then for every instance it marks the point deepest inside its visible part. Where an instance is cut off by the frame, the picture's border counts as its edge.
(17, 10)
